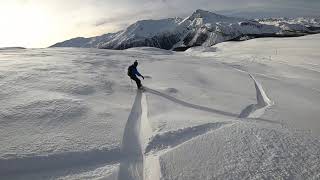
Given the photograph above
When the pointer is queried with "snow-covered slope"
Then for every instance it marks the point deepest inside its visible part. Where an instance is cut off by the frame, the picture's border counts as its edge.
(201, 28)
(246, 110)
(82, 42)
(153, 33)
(206, 28)
(11, 48)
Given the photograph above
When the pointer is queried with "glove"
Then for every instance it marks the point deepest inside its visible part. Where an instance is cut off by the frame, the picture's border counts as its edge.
(143, 77)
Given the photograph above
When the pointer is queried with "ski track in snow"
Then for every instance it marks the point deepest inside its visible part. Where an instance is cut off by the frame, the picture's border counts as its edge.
(239, 146)
(263, 102)
(144, 150)
(138, 163)
(189, 105)
(140, 149)
(138, 142)
(251, 115)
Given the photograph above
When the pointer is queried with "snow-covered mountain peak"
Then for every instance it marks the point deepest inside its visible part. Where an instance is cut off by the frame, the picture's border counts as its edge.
(148, 28)
(210, 17)
(199, 13)
(300, 24)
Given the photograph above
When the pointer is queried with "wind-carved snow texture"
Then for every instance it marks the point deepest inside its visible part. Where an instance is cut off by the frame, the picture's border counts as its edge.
(245, 150)
(263, 102)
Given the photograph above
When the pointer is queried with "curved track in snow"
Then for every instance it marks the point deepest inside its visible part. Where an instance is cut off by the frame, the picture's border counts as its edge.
(137, 142)
(189, 105)
(248, 115)
(263, 102)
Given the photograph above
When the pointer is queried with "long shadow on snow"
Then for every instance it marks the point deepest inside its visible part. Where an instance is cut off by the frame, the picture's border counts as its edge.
(203, 108)
(189, 105)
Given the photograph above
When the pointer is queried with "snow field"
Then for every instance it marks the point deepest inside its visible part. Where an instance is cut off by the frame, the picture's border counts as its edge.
(73, 113)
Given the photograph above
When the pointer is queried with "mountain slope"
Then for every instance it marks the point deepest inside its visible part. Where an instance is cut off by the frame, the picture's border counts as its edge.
(153, 33)
(85, 42)
(306, 25)
(206, 29)
(202, 28)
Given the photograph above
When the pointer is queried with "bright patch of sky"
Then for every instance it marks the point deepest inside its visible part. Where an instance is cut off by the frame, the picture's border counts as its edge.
(39, 23)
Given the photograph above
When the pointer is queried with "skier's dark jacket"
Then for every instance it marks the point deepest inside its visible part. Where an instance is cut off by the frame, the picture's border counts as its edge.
(132, 71)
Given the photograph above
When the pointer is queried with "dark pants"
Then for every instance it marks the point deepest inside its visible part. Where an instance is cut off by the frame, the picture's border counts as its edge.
(137, 80)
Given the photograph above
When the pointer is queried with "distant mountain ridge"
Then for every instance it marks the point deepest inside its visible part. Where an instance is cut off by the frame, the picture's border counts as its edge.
(202, 28)
(11, 48)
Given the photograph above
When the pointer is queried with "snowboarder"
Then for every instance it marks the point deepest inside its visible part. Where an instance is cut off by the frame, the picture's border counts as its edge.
(133, 72)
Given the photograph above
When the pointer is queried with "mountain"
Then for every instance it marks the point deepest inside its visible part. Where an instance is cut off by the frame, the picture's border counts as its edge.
(202, 28)
(207, 29)
(154, 33)
(11, 48)
(301, 24)
(92, 42)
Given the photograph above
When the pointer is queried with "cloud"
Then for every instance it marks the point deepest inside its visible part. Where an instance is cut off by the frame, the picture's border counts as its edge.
(127, 12)
(122, 17)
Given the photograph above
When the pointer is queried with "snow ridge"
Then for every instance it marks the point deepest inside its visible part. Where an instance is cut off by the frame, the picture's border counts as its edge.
(263, 102)
(132, 166)
(135, 166)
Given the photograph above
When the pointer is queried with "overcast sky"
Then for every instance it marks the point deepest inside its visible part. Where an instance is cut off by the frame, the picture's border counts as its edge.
(40, 23)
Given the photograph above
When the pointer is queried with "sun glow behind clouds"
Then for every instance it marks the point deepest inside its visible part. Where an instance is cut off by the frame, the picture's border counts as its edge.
(41, 23)
(34, 24)
(22, 24)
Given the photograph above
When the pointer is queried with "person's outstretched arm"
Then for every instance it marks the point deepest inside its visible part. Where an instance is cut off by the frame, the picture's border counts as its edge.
(137, 73)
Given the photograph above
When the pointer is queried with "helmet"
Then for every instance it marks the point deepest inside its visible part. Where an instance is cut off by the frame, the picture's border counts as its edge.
(135, 63)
